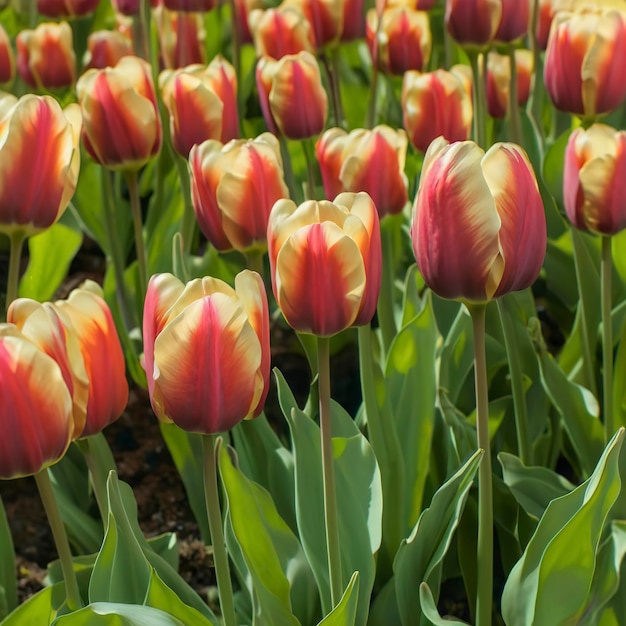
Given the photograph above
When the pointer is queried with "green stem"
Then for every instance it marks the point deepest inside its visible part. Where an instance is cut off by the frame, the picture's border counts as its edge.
(141, 30)
(236, 56)
(288, 169)
(484, 578)
(132, 181)
(309, 189)
(606, 270)
(254, 261)
(386, 302)
(480, 98)
(98, 476)
(588, 361)
(210, 445)
(333, 87)
(46, 493)
(524, 447)
(515, 120)
(328, 472)
(534, 106)
(15, 257)
(188, 226)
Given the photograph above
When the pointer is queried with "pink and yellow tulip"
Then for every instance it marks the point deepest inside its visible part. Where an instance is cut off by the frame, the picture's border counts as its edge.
(66, 8)
(366, 160)
(325, 260)
(478, 226)
(190, 6)
(594, 179)
(181, 38)
(499, 80)
(473, 22)
(325, 18)
(207, 350)
(7, 59)
(105, 48)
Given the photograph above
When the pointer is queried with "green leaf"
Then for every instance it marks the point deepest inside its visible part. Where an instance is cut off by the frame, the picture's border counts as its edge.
(457, 355)
(8, 580)
(268, 546)
(40, 610)
(50, 254)
(550, 584)
(344, 613)
(533, 487)
(430, 609)
(116, 614)
(419, 558)
(553, 167)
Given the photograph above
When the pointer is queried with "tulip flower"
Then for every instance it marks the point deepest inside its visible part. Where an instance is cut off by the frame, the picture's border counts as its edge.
(404, 40)
(105, 48)
(353, 20)
(292, 96)
(280, 31)
(34, 129)
(584, 62)
(499, 80)
(36, 415)
(243, 9)
(223, 80)
(593, 179)
(547, 9)
(514, 21)
(325, 17)
(329, 248)
(473, 22)
(7, 59)
(45, 56)
(478, 227)
(436, 104)
(181, 38)
(206, 350)
(189, 6)
(366, 160)
(122, 128)
(66, 8)
(234, 188)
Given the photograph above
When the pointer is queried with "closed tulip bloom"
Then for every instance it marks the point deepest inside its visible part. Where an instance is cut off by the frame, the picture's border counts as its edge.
(325, 17)
(404, 39)
(105, 48)
(514, 21)
(207, 350)
(87, 317)
(280, 31)
(353, 20)
(478, 226)
(122, 127)
(499, 80)
(293, 99)
(594, 179)
(366, 160)
(223, 80)
(36, 414)
(234, 188)
(473, 22)
(436, 104)
(66, 8)
(585, 62)
(325, 260)
(34, 129)
(181, 38)
(190, 6)
(45, 56)
(7, 59)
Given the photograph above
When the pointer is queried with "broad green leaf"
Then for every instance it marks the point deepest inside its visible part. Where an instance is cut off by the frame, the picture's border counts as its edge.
(533, 487)
(420, 556)
(40, 610)
(619, 381)
(186, 451)
(550, 584)
(457, 355)
(384, 609)
(344, 613)
(268, 546)
(430, 611)
(118, 614)
(42, 277)
(8, 579)
(553, 167)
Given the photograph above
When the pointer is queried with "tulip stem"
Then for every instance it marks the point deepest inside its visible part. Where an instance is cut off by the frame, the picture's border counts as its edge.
(236, 57)
(333, 86)
(390, 229)
(515, 120)
(480, 97)
(141, 29)
(210, 448)
(328, 471)
(132, 180)
(606, 270)
(288, 168)
(524, 447)
(15, 258)
(46, 492)
(535, 103)
(309, 190)
(484, 577)
(188, 225)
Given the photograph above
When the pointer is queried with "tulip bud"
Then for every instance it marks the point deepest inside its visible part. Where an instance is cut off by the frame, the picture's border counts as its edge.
(181, 38)
(66, 8)
(473, 22)
(366, 160)
(45, 56)
(436, 104)
(190, 6)
(292, 96)
(404, 39)
(122, 128)
(547, 9)
(34, 129)
(243, 9)
(331, 250)
(353, 20)
(280, 31)
(7, 59)
(584, 62)
(223, 80)
(207, 350)
(499, 80)
(105, 48)
(478, 227)
(593, 179)
(234, 188)
(514, 21)
(36, 413)
(325, 17)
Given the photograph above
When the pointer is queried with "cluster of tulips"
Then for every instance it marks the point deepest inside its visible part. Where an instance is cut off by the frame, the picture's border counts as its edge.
(325, 134)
